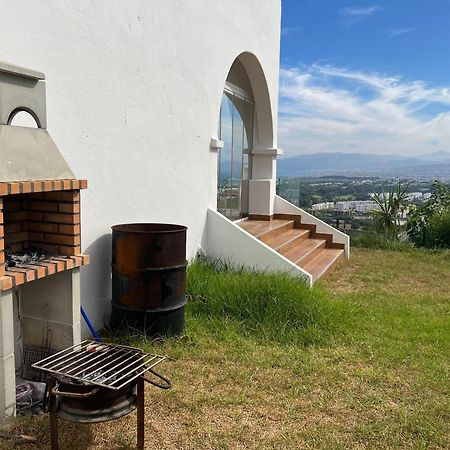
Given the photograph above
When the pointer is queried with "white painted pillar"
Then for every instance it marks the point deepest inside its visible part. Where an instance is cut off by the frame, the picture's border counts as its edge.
(7, 364)
(263, 182)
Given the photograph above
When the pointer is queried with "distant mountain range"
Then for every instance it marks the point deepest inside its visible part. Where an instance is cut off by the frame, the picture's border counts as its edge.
(435, 164)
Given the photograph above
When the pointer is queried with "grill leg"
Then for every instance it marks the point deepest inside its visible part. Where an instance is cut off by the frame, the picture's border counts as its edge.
(140, 413)
(53, 416)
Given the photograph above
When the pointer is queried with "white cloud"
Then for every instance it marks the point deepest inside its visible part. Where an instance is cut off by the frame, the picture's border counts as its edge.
(393, 32)
(327, 108)
(356, 11)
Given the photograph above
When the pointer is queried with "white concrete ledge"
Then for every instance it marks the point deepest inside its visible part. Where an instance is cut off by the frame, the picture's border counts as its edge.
(267, 151)
(228, 242)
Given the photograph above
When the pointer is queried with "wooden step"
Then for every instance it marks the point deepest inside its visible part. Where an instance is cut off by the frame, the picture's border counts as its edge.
(324, 262)
(266, 229)
(287, 240)
(304, 252)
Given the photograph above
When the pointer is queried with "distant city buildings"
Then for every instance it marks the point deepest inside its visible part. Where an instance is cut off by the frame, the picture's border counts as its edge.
(363, 206)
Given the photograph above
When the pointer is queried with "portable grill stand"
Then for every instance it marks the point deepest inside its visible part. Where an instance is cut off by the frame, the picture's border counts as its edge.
(53, 407)
(77, 393)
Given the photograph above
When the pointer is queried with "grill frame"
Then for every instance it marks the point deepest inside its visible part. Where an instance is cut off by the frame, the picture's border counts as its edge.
(123, 365)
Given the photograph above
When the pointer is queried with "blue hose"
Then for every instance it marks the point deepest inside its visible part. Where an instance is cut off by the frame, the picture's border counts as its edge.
(89, 324)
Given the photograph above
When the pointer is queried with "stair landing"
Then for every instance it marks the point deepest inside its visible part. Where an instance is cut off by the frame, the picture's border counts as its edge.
(316, 254)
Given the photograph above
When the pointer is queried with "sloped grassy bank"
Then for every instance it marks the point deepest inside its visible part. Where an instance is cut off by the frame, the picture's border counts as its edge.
(360, 361)
(277, 307)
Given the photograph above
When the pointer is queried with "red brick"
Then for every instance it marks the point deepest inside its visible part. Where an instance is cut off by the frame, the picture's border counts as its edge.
(43, 206)
(3, 189)
(14, 188)
(39, 270)
(43, 227)
(36, 237)
(13, 227)
(69, 207)
(47, 185)
(86, 259)
(62, 239)
(64, 196)
(67, 185)
(51, 267)
(18, 216)
(5, 283)
(2, 244)
(62, 218)
(69, 251)
(37, 186)
(36, 216)
(69, 229)
(26, 187)
(47, 247)
(84, 184)
(57, 185)
(15, 238)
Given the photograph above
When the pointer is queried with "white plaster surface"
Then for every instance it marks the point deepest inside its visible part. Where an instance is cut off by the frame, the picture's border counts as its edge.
(228, 242)
(133, 95)
(282, 206)
(50, 309)
(262, 193)
(7, 363)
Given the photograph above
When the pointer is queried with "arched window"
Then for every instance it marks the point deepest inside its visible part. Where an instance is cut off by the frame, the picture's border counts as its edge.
(236, 131)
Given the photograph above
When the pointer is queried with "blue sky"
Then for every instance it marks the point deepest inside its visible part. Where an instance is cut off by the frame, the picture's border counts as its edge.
(367, 77)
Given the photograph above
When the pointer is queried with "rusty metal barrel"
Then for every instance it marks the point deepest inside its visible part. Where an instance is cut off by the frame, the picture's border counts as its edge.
(149, 278)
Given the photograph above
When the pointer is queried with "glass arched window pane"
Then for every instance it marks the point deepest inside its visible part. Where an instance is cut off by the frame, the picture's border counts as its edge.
(233, 171)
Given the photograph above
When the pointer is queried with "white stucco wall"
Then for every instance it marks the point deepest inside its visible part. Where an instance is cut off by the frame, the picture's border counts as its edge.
(133, 97)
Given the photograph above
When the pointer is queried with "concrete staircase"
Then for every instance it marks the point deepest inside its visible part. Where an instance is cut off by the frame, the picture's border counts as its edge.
(316, 253)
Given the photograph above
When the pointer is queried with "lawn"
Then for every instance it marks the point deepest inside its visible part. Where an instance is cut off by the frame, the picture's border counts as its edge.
(361, 361)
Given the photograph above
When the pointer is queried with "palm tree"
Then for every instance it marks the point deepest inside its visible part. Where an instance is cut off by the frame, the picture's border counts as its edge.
(399, 203)
(387, 216)
(384, 217)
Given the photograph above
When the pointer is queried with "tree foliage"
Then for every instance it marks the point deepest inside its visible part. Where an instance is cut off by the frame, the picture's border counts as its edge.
(390, 205)
(429, 224)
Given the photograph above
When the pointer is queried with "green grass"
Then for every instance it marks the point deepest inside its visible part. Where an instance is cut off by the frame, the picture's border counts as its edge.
(360, 361)
(257, 305)
(378, 242)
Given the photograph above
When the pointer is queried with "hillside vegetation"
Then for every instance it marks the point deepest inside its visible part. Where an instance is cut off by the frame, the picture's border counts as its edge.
(360, 361)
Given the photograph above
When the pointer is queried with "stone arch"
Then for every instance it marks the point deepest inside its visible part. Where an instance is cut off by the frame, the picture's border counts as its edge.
(24, 121)
(247, 73)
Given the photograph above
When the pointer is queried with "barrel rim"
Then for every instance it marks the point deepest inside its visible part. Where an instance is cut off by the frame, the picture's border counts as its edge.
(149, 228)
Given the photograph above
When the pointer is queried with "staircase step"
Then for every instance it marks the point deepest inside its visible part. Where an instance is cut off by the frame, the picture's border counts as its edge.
(266, 229)
(287, 240)
(304, 252)
(323, 262)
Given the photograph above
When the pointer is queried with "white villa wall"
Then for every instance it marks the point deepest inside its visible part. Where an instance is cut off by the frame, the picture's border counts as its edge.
(133, 96)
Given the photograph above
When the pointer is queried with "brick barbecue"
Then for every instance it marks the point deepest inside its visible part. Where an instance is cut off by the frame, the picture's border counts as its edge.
(42, 215)
(40, 234)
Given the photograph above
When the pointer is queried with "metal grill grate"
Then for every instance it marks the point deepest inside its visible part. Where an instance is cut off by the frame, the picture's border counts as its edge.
(106, 365)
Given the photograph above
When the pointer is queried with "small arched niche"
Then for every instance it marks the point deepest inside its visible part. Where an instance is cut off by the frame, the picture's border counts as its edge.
(23, 117)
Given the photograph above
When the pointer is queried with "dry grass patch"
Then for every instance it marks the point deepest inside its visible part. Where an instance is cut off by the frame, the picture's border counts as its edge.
(379, 380)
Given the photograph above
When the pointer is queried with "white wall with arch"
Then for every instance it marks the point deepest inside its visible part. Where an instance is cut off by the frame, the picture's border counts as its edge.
(133, 94)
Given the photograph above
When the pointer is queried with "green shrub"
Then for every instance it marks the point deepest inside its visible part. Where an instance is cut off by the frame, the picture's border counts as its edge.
(267, 306)
(439, 230)
(378, 242)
